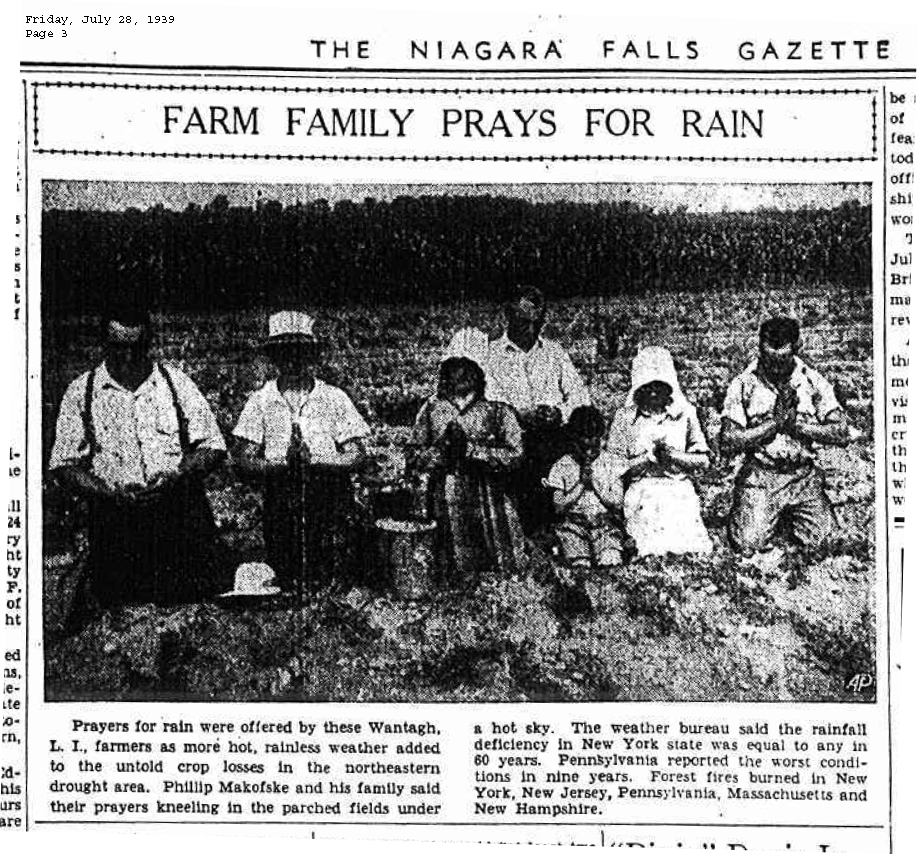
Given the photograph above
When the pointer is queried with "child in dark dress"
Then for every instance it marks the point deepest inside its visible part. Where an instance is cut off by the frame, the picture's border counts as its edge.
(467, 445)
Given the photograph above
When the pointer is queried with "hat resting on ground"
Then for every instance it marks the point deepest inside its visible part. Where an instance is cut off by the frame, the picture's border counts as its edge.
(253, 579)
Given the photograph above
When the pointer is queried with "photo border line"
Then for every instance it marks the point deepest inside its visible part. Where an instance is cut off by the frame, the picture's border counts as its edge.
(560, 71)
(89, 698)
(393, 90)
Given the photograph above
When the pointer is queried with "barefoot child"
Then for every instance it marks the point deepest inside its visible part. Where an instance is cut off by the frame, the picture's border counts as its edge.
(585, 493)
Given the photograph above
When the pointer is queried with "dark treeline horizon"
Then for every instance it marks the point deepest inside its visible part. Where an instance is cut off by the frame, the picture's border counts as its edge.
(433, 249)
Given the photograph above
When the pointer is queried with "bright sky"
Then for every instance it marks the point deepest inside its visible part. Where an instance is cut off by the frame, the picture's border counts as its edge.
(117, 195)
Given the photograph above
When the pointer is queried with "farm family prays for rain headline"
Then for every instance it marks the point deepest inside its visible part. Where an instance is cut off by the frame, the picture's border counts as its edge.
(455, 122)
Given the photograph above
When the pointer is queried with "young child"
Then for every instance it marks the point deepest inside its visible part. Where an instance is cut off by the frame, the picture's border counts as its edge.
(467, 445)
(303, 438)
(585, 492)
(657, 443)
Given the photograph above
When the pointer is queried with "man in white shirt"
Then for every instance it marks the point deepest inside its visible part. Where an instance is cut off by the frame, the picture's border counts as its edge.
(302, 439)
(774, 413)
(538, 379)
(136, 438)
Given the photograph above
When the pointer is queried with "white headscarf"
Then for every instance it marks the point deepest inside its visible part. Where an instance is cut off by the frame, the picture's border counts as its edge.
(655, 363)
(469, 342)
(472, 343)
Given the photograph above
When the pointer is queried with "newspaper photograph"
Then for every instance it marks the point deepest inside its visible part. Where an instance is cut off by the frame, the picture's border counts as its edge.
(458, 430)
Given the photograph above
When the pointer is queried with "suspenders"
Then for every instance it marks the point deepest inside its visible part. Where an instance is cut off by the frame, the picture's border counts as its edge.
(184, 441)
(89, 430)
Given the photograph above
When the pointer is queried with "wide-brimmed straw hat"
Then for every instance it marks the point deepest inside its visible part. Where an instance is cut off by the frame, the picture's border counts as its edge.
(253, 579)
(291, 327)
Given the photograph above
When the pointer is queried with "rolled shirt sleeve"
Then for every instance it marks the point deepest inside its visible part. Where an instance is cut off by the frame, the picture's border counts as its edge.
(251, 424)
(824, 400)
(332, 426)
(564, 475)
(607, 480)
(71, 447)
(695, 440)
(511, 431)
(573, 390)
(734, 408)
(203, 430)
(350, 425)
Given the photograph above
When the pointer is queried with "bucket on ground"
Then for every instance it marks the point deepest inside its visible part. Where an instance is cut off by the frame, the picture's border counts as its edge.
(406, 548)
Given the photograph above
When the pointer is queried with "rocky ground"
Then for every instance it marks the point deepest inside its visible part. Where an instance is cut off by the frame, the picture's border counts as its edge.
(714, 628)
(681, 629)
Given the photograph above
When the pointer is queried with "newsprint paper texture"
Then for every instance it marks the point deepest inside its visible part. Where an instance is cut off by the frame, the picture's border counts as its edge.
(457, 428)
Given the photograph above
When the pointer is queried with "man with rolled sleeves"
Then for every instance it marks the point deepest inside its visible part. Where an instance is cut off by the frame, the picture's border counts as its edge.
(135, 438)
(535, 376)
(775, 412)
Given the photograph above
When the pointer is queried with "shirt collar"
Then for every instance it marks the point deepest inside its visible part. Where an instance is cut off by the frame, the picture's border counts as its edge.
(797, 377)
(106, 381)
(319, 390)
(462, 410)
(507, 344)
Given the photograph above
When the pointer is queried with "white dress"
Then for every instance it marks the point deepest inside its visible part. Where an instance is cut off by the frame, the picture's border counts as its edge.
(661, 507)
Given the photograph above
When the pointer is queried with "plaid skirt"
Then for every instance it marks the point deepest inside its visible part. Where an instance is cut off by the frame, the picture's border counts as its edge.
(478, 528)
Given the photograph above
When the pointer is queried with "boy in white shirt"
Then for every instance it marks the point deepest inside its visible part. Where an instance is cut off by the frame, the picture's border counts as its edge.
(303, 437)
(586, 494)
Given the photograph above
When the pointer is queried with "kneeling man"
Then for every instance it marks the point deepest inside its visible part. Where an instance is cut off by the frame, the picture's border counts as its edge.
(774, 412)
(135, 438)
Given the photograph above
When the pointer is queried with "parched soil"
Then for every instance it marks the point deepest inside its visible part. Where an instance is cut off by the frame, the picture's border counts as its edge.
(686, 629)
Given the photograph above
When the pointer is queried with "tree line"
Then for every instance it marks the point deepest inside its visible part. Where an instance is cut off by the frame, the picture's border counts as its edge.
(433, 249)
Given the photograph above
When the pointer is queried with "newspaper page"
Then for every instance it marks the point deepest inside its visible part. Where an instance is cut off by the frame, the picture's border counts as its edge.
(457, 427)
